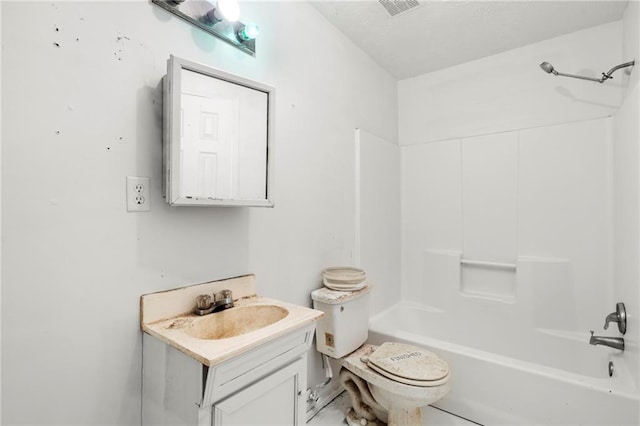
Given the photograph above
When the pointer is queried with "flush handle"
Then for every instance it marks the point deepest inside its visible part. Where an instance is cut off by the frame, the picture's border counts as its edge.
(619, 316)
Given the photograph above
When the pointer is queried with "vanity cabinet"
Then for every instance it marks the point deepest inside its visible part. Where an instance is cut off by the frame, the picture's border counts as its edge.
(273, 400)
(265, 385)
(246, 365)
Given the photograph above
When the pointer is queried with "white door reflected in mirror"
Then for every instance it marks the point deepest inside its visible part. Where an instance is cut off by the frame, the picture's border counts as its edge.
(209, 131)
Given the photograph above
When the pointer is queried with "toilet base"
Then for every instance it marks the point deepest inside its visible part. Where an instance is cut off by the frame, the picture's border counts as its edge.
(410, 417)
(396, 418)
(353, 419)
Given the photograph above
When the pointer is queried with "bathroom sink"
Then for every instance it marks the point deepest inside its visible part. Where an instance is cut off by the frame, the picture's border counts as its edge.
(235, 321)
(213, 339)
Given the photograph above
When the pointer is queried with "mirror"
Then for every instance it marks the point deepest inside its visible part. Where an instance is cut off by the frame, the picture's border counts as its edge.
(218, 128)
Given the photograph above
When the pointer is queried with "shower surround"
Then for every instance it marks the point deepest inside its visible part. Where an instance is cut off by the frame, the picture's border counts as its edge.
(536, 199)
(541, 200)
(539, 176)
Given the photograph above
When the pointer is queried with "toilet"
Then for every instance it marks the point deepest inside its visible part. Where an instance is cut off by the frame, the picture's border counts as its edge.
(388, 383)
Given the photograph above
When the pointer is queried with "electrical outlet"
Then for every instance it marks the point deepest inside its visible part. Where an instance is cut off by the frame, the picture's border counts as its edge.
(138, 194)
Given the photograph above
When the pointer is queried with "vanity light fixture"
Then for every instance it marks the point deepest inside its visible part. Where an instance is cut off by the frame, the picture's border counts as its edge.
(220, 20)
(248, 32)
(225, 10)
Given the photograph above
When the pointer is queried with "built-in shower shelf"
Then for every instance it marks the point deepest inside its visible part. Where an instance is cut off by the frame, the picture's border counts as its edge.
(487, 264)
(495, 281)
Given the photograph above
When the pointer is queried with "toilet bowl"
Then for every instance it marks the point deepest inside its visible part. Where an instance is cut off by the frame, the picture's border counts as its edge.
(387, 383)
(401, 400)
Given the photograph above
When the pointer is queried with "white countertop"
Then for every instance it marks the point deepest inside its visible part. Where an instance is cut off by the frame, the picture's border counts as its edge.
(167, 315)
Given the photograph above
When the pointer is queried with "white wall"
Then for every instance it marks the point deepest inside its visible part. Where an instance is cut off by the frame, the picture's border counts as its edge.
(627, 192)
(80, 117)
(509, 91)
(378, 217)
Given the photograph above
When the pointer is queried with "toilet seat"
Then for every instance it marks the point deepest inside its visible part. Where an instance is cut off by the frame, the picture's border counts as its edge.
(408, 364)
(357, 363)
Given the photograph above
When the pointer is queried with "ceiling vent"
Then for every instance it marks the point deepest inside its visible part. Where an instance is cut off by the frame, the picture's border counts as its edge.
(396, 7)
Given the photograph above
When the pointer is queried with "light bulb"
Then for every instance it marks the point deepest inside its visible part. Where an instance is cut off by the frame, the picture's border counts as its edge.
(229, 9)
(248, 32)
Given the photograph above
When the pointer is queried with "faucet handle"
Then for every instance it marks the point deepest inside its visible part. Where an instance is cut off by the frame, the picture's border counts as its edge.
(610, 318)
(222, 294)
(619, 316)
(203, 302)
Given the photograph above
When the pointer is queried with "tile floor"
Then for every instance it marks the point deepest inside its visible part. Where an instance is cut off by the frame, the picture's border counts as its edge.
(333, 415)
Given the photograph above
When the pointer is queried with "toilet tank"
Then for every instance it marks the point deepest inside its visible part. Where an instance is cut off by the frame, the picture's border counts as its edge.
(345, 324)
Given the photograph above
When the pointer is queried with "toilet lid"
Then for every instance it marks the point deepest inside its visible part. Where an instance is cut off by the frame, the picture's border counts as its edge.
(409, 364)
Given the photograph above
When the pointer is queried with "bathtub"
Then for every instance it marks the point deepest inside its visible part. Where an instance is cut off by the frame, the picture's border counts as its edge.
(547, 377)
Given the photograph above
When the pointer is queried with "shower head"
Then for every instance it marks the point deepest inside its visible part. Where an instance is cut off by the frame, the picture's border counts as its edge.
(548, 68)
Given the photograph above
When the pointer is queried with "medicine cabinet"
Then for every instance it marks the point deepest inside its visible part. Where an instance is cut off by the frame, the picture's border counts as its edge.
(218, 131)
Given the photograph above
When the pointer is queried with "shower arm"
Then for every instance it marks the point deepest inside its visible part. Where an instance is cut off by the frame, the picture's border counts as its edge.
(616, 68)
(582, 77)
(602, 79)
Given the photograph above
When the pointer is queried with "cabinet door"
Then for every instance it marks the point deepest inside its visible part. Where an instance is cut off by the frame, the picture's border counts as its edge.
(273, 400)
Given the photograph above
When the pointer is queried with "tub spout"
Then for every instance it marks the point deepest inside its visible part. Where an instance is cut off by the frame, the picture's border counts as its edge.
(612, 342)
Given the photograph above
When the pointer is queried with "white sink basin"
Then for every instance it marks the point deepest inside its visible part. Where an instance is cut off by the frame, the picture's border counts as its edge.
(235, 321)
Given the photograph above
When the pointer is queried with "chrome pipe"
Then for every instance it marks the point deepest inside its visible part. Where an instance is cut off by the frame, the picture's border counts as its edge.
(616, 68)
(582, 77)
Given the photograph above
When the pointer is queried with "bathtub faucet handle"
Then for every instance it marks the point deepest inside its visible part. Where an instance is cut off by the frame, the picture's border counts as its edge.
(619, 316)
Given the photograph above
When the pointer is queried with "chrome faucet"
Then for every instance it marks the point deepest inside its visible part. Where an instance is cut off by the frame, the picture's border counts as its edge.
(205, 304)
(612, 342)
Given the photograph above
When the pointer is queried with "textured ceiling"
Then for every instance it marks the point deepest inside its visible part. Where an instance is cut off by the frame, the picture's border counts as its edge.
(442, 33)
